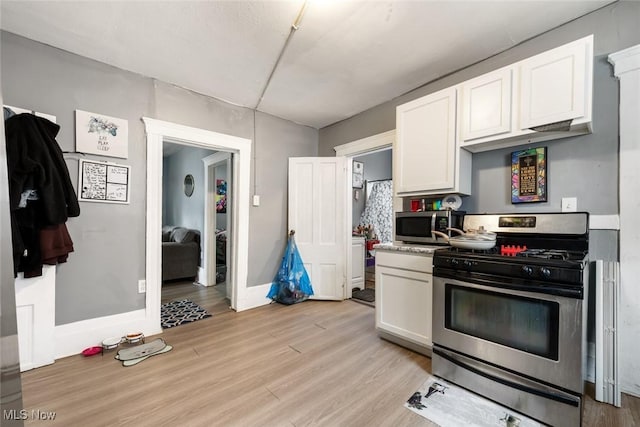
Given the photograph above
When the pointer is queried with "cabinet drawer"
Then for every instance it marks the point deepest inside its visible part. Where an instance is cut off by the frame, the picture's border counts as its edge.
(405, 261)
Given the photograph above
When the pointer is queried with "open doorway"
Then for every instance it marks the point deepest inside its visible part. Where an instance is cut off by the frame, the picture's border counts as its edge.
(158, 132)
(353, 150)
(372, 214)
(189, 201)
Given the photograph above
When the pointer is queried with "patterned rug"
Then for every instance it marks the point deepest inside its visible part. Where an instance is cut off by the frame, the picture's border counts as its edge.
(368, 295)
(176, 313)
(451, 406)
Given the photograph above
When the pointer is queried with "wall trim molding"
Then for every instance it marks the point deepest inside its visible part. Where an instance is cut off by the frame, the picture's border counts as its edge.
(72, 338)
(255, 296)
(158, 131)
(627, 69)
(209, 238)
(366, 145)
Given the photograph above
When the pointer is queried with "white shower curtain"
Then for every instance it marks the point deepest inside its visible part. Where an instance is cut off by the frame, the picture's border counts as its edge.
(378, 210)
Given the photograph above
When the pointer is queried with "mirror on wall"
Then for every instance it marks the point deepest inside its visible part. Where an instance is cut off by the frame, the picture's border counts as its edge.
(189, 185)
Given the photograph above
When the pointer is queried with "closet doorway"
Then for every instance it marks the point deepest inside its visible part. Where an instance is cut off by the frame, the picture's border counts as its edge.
(377, 152)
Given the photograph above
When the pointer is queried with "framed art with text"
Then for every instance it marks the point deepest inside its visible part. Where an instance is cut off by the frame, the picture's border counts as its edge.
(529, 175)
(358, 174)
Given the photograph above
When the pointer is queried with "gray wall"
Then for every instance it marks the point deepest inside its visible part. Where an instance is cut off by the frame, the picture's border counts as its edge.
(377, 166)
(585, 167)
(178, 209)
(101, 276)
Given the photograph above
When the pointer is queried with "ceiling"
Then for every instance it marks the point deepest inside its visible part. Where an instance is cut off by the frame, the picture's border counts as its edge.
(344, 58)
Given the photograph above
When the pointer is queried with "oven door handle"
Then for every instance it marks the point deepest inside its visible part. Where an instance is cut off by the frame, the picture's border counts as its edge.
(562, 398)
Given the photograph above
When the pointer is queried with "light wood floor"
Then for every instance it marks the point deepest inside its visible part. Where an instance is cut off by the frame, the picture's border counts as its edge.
(314, 363)
(211, 298)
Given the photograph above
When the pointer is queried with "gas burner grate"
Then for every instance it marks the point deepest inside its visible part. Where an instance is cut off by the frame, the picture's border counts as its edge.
(544, 254)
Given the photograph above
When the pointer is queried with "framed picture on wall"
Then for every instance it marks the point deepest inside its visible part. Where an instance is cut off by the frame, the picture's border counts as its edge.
(529, 175)
(221, 196)
(358, 174)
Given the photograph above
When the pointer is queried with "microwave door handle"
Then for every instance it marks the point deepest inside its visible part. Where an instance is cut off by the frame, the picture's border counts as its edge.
(433, 224)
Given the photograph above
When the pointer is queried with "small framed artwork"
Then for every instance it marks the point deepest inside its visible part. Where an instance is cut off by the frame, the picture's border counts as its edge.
(529, 175)
(221, 196)
(101, 135)
(358, 174)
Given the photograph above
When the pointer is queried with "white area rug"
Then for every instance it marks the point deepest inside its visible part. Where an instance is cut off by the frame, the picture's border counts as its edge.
(451, 406)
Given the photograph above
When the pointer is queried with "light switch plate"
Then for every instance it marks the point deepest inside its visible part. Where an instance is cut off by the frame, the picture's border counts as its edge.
(142, 286)
(569, 204)
(256, 200)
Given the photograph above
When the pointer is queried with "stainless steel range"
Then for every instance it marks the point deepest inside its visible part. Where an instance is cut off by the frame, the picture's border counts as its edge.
(510, 323)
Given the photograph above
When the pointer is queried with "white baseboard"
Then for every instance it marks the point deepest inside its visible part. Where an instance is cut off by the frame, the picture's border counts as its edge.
(254, 296)
(202, 277)
(72, 338)
(591, 362)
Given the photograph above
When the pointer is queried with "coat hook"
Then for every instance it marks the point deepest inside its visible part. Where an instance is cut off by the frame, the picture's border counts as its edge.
(291, 233)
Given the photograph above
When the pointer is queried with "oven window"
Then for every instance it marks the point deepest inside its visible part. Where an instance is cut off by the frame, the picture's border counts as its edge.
(525, 324)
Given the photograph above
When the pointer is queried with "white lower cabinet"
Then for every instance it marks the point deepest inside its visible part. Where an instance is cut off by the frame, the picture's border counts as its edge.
(357, 263)
(404, 285)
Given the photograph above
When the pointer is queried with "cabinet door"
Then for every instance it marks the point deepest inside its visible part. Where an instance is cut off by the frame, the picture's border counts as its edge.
(486, 105)
(404, 304)
(555, 85)
(357, 263)
(424, 151)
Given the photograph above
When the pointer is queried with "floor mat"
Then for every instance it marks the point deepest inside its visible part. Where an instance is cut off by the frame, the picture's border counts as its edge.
(176, 313)
(368, 295)
(451, 406)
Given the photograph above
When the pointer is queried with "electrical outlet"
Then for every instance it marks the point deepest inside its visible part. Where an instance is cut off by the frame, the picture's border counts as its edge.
(569, 204)
(256, 200)
(142, 286)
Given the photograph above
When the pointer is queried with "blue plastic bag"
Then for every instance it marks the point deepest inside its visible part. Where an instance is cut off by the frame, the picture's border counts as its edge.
(291, 284)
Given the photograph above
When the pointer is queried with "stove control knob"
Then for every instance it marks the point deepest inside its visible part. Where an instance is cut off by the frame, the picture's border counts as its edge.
(527, 271)
(467, 263)
(545, 272)
(455, 262)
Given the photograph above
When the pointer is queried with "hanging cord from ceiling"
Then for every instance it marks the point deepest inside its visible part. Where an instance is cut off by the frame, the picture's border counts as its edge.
(294, 27)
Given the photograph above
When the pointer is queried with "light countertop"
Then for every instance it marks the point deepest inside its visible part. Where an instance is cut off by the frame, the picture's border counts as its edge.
(407, 247)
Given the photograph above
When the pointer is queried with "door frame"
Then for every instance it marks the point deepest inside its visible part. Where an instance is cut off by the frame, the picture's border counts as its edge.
(209, 258)
(350, 150)
(158, 131)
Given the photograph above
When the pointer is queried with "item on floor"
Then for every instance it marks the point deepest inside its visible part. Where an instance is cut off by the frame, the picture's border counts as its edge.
(176, 313)
(140, 359)
(291, 284)
(135, 355)
(134, 337)
(111, 343)
(368, 295)
(91, 351)
(114, 342)
(448, 405)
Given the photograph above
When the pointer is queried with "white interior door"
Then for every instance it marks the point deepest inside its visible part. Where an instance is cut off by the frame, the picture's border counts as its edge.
(317, 213)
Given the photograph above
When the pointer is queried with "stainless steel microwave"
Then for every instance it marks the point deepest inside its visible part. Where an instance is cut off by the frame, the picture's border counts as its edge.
(416, 227)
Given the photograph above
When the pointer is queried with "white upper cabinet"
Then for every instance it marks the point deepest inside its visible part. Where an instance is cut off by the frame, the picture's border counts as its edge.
(486, 105)
(425, 155)
(519, 104)
(556, 85)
